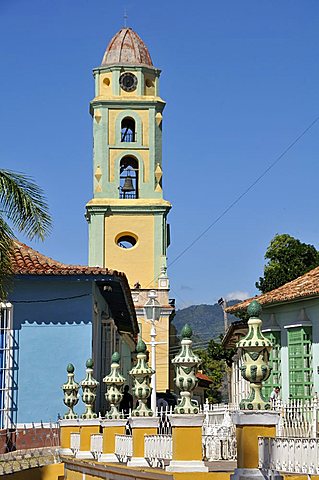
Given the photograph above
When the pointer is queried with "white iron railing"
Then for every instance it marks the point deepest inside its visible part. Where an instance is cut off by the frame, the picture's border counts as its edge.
(219, 432)
(289, 455)
(298, 418)
(158, 450)
(96, 447)
(75, 442)
(123, 447)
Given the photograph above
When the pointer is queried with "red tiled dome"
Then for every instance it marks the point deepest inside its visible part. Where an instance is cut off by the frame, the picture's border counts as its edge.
(127, 48)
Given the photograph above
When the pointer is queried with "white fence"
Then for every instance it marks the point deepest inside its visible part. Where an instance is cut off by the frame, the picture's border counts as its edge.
(96, 446)
(75, 442)
(289, 455)
(298, 418)
(123, 447)
(219, 432)
(158, 450)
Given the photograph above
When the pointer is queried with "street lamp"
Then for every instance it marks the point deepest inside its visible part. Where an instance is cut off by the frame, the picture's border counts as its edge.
(152, 310)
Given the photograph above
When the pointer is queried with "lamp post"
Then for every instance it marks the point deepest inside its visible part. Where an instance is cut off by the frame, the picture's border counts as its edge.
(152, 310)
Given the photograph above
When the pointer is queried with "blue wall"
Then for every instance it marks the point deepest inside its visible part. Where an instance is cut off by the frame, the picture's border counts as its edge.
(48, 336)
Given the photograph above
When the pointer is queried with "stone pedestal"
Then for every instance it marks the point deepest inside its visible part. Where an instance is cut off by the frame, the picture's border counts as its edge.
(141, 426)
(251, 424)
(111, 428)
(187, 444)
(66, 428)
(87, 428)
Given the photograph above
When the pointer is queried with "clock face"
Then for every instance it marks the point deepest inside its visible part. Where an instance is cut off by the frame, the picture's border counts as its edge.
(128, 81)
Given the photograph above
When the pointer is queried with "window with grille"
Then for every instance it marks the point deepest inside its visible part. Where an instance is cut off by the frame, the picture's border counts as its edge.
(6, 365)
(274, 379)
(300, 362)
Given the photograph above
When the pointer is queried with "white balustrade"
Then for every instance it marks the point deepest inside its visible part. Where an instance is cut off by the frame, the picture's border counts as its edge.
(96, 445)
(289, 455)
(298, 418)
(123, 447)
(219, 432)
(158, 450)
(75, 442)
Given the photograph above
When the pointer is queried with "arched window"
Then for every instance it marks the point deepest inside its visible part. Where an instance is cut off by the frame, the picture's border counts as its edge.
(128, 133)
(128, 178)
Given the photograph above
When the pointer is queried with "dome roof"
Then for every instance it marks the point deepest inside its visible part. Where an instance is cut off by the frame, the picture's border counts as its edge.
(127, 48)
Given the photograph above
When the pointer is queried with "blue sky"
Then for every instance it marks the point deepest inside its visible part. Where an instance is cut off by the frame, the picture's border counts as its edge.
(241, 83)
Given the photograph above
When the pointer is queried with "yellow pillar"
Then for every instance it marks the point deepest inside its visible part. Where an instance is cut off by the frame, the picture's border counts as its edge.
(251, 424)
(187, 444)
(110, 429)
(87, 428)
(66, 428)
(141, 426)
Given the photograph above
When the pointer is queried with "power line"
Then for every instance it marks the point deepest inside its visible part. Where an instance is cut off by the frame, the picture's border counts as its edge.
(244, 193)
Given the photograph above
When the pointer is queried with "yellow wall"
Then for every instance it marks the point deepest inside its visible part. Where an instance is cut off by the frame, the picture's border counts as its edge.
(137, 262)
(162, 351)
(247, 443)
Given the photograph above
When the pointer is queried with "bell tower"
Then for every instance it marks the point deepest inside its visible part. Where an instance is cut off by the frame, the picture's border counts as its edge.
(127, 215)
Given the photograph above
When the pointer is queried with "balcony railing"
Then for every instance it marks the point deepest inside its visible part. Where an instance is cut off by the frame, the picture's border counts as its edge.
(158, 450)
(123, 447)
(289, 455)
(128, 137)
(75, 442)
(96, 447)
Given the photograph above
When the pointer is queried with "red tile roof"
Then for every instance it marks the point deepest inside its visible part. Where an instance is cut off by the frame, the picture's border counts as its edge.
(302, 287)
(26, 261)
(127, 48)
(205, 378)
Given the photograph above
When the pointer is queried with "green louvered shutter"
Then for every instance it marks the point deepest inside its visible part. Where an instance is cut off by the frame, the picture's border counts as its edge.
(274, 361)
(300, 362)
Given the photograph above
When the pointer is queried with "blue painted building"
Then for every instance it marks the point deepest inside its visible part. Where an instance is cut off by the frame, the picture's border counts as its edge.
(61, 314)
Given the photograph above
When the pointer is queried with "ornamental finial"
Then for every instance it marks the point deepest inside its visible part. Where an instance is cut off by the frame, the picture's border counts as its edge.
(89, 386)
(70, 390)
(114, 382)
(186, 365)
(141, 374)
(256, 348)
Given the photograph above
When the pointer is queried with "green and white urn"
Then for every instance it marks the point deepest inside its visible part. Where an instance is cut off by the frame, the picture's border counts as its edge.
(186, 365)
(89, 386)
(141, 374)
(256, 348)
(114, 383)
(70, 390)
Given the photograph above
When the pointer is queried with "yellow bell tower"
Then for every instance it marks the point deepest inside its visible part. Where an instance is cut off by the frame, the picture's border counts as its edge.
(127, 216)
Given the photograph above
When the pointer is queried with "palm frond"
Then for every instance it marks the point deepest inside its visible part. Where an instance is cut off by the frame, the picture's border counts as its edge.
(23, 203)
(6, 251)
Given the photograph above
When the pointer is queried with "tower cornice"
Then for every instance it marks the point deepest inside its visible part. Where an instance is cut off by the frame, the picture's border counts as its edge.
(126, 67)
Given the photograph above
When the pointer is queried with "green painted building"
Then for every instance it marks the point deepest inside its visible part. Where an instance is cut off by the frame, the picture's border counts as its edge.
(291, 320)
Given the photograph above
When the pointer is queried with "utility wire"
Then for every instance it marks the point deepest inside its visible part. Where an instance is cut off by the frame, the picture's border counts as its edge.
(262, 175)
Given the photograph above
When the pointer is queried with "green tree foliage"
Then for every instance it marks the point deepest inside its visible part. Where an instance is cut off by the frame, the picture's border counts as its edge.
(23, 209)
(216, 362)
(288, 258)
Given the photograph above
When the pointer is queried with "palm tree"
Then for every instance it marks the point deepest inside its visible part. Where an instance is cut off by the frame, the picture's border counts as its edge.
(22, 208)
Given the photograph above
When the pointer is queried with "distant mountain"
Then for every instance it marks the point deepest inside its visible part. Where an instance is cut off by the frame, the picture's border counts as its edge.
(207, 321)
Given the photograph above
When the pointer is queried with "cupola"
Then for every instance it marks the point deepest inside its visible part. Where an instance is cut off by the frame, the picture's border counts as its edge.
(127, 48)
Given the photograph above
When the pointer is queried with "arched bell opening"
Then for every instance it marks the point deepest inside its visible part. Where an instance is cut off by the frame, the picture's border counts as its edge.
(128, 178)
(128, 133)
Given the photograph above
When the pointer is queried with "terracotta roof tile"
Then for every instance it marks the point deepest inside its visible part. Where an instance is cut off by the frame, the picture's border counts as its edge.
(305, 286)
(26, 261)
(127, 48)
